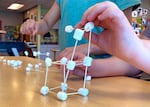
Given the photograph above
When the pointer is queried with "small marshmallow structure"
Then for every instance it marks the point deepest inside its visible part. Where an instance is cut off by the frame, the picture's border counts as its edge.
(38, 53)
(70, 65)
(38, 65)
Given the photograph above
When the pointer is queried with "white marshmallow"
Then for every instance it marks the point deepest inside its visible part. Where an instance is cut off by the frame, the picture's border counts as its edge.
(62, 96)
(12, 62)
(78, 34)
(44, 90)
(87, 61)
(71, 65)
(64, 86)
(40, 64)
(83, 91)
(36, 66)
(8, 62)
(48, 61)
(63, 60)
(19, 62)
(26, 53)
(89, 26)
(47, 54)
(15, 64)
(30, 65)
(4, 61)
(69, 28)
(35, 53)
(88, 78)
(38, 53)
(28, 69)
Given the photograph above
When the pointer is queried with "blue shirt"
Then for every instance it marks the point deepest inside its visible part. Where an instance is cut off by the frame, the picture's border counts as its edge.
(71, 14)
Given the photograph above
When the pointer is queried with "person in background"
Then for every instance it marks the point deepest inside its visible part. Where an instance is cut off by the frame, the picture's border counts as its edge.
(122, 43)
(70, 13)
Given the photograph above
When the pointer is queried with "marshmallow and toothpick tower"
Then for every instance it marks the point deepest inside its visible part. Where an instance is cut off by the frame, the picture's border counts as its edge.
(70, 65)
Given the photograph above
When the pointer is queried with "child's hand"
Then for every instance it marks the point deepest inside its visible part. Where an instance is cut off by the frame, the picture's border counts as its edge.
(117, 33)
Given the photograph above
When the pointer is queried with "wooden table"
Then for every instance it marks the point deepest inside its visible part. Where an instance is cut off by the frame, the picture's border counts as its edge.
(21, 89)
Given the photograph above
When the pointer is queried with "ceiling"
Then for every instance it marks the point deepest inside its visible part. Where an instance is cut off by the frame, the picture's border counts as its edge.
(28, 4)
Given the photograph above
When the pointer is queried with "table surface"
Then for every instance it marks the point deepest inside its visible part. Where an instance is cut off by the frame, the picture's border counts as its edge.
(21, 89)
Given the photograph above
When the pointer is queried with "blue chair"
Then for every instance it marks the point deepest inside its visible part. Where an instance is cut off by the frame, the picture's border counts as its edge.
(12, 48)
(15, 51)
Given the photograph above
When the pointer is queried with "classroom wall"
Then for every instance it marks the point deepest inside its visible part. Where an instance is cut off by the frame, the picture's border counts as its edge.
(146, 4)
(10, 18)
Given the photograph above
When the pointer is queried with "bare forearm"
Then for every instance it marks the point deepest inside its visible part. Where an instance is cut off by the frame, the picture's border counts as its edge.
(95, 49)
(141, 57)
(111, 67)
(136, 53)
(49, 19)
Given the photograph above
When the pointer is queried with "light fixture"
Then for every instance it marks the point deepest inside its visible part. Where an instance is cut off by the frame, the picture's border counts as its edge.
(15, 6)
